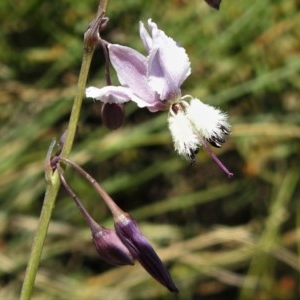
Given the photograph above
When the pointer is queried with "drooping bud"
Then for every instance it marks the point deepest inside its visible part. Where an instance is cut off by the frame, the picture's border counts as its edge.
(112, 115)
(140, 248)
(109, 246)
(214, 3)
(127, 243)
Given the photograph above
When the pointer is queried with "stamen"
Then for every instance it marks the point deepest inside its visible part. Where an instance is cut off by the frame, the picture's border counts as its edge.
(224, 129)
(216, 159)
(216, 141)
(192, 156)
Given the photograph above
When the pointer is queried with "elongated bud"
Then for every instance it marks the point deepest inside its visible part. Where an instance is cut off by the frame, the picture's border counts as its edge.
(131, 236)
(112, 115)
(109, 246)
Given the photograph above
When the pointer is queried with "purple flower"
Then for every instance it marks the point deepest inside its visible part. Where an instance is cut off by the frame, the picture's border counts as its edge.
(140, 248)
(154, 81)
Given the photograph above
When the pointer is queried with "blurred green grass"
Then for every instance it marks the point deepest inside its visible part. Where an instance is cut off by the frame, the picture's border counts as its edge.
(221, 238)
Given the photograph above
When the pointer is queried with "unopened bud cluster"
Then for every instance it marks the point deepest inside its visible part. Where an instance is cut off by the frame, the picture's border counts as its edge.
(126, 243)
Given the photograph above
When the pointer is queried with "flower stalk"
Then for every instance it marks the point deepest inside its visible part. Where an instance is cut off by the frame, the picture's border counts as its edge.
(126, 229)
(52, 180)
(107, 243)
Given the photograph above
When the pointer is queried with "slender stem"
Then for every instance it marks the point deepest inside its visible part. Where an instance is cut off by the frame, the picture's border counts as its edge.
(38, 242)
(94, 226)
(102, 6)
(48, 167)
(77, 201)
(86, 62)
(107, 62)
(53, 181)
(114, 208)
(53, 187)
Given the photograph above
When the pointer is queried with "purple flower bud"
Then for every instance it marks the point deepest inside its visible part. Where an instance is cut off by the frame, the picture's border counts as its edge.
(214, 3)
(140, 248)
(109, 246)
(112, 115)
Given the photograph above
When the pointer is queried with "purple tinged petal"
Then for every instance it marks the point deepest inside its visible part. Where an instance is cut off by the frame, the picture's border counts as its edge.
(128, 63)
(168, 64)
(153, 82)
(173, 58)
(174, 61)
(145, 37)
(140, 248)
(160, 79)
(109, 94)
(158, 106)
(114, 94)
(131, 68)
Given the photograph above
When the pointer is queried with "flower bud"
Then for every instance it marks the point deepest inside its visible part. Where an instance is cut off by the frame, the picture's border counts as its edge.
(214, 3)
(112, 115)
(109, 246)
(140, 248)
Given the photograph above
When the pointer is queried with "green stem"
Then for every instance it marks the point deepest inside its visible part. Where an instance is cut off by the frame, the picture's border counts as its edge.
(91, 39)
(113, 207)
(53, 181)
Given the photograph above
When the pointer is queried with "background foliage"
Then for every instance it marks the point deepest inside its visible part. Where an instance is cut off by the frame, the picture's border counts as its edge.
(221, 238)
